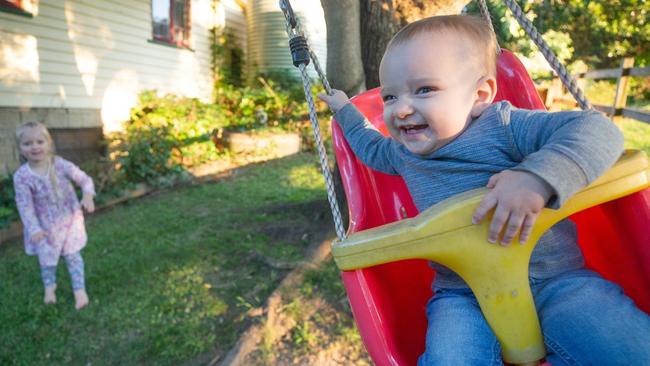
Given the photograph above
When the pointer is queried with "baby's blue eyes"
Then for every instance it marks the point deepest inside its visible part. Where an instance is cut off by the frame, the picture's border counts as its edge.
(424, 90)
(421, 90)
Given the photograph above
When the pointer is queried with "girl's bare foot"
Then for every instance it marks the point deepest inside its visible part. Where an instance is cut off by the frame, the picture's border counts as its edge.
(50, 295)
(80, 298)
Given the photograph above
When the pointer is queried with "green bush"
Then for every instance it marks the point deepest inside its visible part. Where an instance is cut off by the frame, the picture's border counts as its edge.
(8, 212)
(167, 134)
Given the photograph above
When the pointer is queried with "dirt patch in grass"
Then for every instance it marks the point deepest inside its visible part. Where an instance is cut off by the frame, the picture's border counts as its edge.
(309, 222)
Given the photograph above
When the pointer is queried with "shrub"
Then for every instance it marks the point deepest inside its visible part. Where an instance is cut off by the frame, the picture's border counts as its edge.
(8, 211)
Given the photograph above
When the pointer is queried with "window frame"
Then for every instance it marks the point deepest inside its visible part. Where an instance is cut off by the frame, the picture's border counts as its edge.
(173, 39)
(18, 9)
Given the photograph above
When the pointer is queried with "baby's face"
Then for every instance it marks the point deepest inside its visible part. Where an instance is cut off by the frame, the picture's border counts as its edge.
(428, 85)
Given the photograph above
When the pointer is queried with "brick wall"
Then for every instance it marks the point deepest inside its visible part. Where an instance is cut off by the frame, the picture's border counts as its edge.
(76, 132)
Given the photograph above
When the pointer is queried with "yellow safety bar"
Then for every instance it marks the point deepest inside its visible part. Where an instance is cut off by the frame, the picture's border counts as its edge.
(497, 275)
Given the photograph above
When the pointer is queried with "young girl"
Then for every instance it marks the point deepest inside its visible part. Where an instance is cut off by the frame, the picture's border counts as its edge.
(50, 211)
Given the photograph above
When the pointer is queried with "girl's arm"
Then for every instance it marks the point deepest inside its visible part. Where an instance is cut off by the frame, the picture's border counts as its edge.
(83, 181)
(78, 176)
(25, 205)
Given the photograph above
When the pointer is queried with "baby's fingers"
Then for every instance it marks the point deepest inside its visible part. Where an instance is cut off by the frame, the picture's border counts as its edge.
(499, 219)
(324, 97)
(527, 227)
(514, 223)
(487, 203)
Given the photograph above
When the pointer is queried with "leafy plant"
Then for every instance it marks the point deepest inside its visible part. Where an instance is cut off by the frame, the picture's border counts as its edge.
(8, 212)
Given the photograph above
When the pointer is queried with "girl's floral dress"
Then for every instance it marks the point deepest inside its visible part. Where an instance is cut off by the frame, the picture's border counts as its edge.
(60, 217)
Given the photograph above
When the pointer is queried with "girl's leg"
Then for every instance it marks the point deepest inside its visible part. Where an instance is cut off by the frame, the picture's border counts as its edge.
(48, 274)
(458, 333)
(75, 265)
(587, 320)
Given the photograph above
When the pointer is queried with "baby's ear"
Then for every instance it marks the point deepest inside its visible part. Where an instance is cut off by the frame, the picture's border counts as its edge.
(486, 90)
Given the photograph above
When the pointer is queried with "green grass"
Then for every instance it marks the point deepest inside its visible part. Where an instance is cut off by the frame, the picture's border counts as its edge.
(637, 134)
(169, 276)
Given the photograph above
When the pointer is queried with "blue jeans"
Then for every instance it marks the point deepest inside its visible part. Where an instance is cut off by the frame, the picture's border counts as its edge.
(585, 319)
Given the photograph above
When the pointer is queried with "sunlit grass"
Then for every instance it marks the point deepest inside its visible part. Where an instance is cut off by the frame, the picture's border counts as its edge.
(637, 134)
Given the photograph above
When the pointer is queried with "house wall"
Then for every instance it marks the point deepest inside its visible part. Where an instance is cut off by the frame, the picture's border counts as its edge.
(81, 64)
(235, 21)
(268, 43)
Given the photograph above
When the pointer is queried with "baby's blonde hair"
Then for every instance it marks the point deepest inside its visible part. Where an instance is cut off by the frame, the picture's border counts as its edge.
(48, 137)
(476, 30)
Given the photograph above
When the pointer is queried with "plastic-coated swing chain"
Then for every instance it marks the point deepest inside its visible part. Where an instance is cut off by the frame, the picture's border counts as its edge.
(301, 54)
(559, 68)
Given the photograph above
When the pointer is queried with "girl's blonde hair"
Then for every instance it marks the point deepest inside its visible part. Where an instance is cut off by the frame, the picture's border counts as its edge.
(48, 137)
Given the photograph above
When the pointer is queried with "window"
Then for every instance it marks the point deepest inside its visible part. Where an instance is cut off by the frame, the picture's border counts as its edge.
(171, 21)
(24, 7)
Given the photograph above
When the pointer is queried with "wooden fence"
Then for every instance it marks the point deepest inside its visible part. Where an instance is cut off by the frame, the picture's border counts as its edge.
(555, 94)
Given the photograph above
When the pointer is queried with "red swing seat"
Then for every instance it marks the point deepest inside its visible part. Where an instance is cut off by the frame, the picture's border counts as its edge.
(388, 301)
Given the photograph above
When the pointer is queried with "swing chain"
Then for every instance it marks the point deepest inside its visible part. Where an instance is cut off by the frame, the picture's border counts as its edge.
(568, 80)
(488, 19)
(301, 53)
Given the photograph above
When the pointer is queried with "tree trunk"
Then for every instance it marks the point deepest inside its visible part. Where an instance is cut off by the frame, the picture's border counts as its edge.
(381, 19)
(344, 67)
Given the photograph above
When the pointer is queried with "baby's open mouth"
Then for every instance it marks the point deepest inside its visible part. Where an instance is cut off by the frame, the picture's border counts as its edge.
(412, 129)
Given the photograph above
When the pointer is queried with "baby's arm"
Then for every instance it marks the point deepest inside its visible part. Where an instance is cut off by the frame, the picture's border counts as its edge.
(84, 182)
(369, 145)
(25, 205)
(561, 153)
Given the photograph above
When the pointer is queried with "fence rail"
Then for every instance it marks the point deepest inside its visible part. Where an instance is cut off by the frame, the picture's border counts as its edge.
(554, 94)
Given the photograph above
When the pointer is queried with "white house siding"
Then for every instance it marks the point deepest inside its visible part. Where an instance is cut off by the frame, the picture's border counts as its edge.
(86, 61)
(235, 22)
(98, 55)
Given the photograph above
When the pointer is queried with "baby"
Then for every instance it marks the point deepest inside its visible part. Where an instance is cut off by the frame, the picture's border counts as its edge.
(438, 81)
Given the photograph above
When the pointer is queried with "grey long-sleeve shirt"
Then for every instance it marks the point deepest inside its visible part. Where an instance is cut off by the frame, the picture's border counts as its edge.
(567, 149)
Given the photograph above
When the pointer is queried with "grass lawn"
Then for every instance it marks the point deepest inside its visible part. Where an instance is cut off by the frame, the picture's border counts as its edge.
(171, 276)
(637, 134)
(172, 279)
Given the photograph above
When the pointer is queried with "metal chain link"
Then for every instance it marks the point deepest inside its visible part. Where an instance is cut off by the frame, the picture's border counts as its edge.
(559, 68)
(306, 82)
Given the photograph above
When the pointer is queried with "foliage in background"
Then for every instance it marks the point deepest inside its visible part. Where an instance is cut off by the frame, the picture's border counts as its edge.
(600, 32)
(167, 134)
(8, 211)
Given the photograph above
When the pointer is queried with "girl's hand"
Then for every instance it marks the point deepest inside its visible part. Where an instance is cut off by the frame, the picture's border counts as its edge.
(336, 101)
(88, 203)
(39, 236)
(519, 197)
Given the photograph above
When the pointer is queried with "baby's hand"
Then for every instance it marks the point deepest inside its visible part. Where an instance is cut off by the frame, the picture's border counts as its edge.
(88, 203)
(519, 198)
(39, 236)
(336, 101)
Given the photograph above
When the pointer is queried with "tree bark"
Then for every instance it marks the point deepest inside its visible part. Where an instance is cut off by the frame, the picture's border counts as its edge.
(344, 67)
(381, 19)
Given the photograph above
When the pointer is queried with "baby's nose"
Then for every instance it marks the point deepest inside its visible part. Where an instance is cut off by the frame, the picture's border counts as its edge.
(403, 109)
